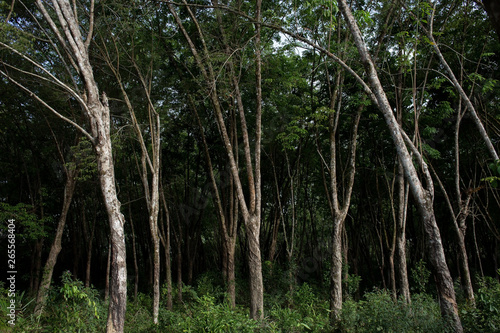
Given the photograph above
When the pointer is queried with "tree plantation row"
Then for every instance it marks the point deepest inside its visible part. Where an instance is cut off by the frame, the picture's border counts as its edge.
(343, 154)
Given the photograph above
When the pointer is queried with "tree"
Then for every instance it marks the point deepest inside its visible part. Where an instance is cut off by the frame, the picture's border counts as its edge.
(69, 40)
(71, 172)
(251, 211)
(423, 196)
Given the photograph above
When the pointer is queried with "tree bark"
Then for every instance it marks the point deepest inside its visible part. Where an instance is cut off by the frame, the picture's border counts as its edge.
(404, 286)
(134, 252)
(108, 270)
(165, 238)
(89, 249)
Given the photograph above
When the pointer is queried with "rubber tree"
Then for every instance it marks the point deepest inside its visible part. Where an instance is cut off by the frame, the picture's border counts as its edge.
(71, 172)
(72, 47)
(251, 209)
(423, 196)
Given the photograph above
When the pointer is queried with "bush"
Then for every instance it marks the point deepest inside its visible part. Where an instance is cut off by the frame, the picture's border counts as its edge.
(378, 312)
(73, 308)
(485, 316)
(211, 317)
(308, 313)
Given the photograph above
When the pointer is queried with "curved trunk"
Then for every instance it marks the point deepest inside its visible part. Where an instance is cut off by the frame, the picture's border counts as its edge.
(423, 197)
(48, 270)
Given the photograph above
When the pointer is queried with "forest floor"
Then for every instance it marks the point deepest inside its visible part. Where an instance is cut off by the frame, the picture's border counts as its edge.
(74, 308)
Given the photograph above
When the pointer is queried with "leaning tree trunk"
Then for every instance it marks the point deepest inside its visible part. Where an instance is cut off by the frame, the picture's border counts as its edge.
(48, 270)
(423, 197)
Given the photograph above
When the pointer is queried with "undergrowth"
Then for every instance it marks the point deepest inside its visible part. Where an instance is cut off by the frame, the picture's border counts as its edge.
(73, 308)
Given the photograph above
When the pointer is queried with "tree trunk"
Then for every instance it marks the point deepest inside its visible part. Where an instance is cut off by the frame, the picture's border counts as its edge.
(118, 291)
(336, 268)
(89, 250)
(179, 265)
(255, 268)
(423, 197)
(251, 212)
(464, 262)
(97, 111)
(108, 269)
(134, 252)
(48, 270)
(401, 236)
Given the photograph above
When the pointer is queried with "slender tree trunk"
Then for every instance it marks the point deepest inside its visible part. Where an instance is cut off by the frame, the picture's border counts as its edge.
(401, 236)
(423, 197)
(69, 189)
(251, 212)
(118, 291)
(179, 265)
(255, 268)
(134, 252)
(97, 110)
(165, 238)
(464, 266)
(108, 270)
(336, 267)
(89, 250)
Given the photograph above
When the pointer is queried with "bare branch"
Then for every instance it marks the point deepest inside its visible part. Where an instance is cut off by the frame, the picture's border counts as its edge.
(55, 80)
(91, 25)
(35, 96)
(10, 11)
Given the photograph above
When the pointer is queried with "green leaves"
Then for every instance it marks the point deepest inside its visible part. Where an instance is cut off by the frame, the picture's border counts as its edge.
(494, 179)
(28, 225)
(295, 131)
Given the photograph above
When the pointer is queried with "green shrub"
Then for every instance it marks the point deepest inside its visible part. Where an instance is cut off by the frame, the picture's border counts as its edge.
(139, 316)
(378, 312)
(308, 313)
(207, 316)
(485, 315)
(420, 276)
(73, 308)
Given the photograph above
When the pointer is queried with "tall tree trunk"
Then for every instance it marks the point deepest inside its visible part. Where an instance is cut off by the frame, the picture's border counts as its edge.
(134, 252)
(89, 248)
(423, 197)
(165, 238)
(118, 291)
(255, 268)
(339, 208)
(69, 189)
(108, 270)
(404, 286)
(336, 267)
